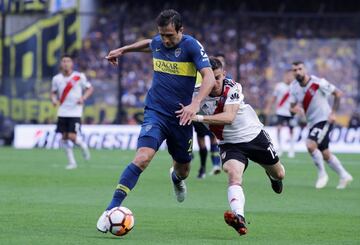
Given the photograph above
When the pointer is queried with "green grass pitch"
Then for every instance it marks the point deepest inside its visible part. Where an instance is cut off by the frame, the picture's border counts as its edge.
(42, 203)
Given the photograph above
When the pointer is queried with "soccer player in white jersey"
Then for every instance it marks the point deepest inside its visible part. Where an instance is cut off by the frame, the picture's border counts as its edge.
(69, 91)
(241, 137)
(280, 99)
(310, 94)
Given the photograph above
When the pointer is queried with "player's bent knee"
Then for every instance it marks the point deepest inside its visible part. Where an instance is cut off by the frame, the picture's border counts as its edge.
(143, 157)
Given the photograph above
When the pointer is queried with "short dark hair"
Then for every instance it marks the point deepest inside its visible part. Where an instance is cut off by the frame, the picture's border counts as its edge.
(169, 16)
(215, 63)
(298, 62)
(66, 56)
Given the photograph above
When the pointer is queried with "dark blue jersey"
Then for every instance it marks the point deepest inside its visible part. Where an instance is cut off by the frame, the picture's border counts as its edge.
(174, 74)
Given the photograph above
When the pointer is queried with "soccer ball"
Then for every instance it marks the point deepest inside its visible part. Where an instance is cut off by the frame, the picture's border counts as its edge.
(121, 221)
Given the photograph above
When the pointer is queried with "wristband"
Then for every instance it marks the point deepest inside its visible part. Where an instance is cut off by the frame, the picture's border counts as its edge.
(199, 118)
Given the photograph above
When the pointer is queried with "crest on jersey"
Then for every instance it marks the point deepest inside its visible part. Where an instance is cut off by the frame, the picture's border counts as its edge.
(148, 127)
(177, 52)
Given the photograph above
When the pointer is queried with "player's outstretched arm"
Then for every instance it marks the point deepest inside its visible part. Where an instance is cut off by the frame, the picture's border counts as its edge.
(223, 118)
(140, 46)
(186, 113)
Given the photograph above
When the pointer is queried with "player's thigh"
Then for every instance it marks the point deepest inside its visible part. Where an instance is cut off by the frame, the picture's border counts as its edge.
(73, 126)
(179, 141)
(61, 126)
(152, 131)
(261, 150)
(234, 169)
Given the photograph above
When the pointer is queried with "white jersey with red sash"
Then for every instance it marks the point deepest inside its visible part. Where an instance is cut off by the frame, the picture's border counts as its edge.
(246, 125)
(69, 90)
(314, 98)
(282, 94)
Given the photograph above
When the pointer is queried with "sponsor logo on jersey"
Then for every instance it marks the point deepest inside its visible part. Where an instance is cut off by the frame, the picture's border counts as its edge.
(177, 52)
(234, 96)
(175, 68)
(148, 127)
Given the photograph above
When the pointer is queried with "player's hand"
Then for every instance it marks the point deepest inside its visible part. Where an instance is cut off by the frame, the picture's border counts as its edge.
(332, 117)
(113, 55)
(186, 113)
(55, 102)
(80, 101)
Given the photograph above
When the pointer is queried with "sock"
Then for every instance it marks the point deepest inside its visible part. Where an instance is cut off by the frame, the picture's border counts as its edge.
(236, 199)
(79, 142)
(291, 148)
(336, 165)
(215, 156)
(69, 151)
(127, 182)
(175, 178)
(319, 162)
(203, 155)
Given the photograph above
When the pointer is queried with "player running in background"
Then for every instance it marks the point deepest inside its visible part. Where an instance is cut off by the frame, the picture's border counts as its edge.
(201, 132)
(69, 91)
(176, 59)
(242, 137)
(280, 99)
(310, 94)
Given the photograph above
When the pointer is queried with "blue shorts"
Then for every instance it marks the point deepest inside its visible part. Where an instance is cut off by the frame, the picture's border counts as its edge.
(156, 128)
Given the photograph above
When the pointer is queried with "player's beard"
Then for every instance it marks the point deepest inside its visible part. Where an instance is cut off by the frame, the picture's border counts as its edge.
(300, 78)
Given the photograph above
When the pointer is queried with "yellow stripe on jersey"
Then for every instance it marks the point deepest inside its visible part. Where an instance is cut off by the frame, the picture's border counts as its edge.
(175, 68)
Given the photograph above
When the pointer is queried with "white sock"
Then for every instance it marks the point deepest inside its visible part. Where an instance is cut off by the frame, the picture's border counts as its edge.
(319, 162)
(236, 199)
(79, 142)
(69, 151)
(291, 148)
(336, 165)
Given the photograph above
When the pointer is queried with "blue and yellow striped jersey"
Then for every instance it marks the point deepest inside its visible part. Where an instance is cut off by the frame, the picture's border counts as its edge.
(174, 74)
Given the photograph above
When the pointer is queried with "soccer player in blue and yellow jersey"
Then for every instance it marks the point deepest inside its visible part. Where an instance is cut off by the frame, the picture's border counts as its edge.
(169, 105)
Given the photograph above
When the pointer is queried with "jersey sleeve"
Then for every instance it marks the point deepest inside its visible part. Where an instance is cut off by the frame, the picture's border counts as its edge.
(198, 54)
(234, 96)
(84, 82)
(326, 87)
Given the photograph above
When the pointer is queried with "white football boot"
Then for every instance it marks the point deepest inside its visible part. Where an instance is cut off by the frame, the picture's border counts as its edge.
(322, 180)
(71, 166)
(179, 189)
(343, 182)
(102, 223)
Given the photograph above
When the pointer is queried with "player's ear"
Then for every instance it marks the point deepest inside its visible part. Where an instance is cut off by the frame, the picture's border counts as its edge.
(181, 30)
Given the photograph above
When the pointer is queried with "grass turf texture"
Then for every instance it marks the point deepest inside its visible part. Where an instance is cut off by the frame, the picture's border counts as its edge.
(42, 203)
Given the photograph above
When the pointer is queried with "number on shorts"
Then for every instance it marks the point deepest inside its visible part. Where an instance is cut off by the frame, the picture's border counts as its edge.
(272, 150)
(315, 132)
(77, 127)
(190, 145)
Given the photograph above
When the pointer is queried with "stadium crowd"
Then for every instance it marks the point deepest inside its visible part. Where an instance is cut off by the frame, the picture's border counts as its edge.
(260, 47)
